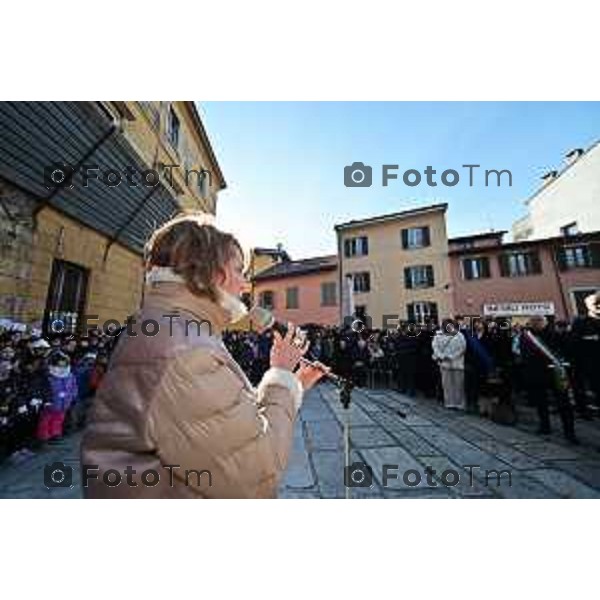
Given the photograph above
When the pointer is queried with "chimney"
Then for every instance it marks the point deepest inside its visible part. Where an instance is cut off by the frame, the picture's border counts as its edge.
(573, 156)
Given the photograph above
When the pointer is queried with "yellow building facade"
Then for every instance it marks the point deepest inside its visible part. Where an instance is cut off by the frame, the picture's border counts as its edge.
(399, 266)
(79, 252)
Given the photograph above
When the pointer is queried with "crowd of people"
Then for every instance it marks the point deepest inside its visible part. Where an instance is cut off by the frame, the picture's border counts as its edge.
(482, 366)
(46, 386)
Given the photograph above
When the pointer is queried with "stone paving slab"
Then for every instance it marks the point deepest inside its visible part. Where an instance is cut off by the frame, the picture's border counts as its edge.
(510, 455)
(370, 437)
(324, 435)
(416, 444)
(563, 484)
(548, 450)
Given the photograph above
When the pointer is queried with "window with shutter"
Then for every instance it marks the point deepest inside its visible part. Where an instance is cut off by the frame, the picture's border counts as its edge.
(356, 246)
(424, 311)
(410, 311)
(426, 236)
(418, 277)
(577, 257)
(362, 282)
(267, 299)
(518, 264)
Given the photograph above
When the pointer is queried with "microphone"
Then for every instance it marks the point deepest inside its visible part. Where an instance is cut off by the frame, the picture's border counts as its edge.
(264, 319)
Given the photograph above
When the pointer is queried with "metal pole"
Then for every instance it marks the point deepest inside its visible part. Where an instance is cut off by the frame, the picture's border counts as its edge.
(347, 444)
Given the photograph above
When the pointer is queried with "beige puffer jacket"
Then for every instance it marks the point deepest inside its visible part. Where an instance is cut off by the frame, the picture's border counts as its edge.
(175, 402)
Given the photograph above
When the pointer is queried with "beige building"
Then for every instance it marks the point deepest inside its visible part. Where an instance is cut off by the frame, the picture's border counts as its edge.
(398, 265)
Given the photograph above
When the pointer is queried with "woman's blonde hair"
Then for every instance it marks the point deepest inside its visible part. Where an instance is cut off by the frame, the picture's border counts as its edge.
(195, 249)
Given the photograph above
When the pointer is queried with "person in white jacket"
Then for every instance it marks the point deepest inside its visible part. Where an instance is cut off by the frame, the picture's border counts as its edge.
(449, 352)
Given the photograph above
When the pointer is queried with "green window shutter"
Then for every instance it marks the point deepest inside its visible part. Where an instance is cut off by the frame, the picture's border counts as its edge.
(407, 278)
(410, 311)
(467, 268)
(594, 255)
(404, 238)
(426, 236)
(503, 264)
(561, 259)
(430, 277)
(535, 266)
(433, 311)
(485, 267)
(347, 248)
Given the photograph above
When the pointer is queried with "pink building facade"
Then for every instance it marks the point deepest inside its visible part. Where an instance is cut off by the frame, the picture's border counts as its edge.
(549, 277)
(300, 291)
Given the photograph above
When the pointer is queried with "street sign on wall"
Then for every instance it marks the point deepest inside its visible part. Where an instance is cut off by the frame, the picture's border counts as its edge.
(518, 309)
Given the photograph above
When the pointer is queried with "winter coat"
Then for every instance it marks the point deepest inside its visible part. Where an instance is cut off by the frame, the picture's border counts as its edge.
(63, 392)
(179, 398)
(449, 350)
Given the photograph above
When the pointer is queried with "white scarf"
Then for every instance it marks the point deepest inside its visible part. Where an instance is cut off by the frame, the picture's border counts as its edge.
(232, 304)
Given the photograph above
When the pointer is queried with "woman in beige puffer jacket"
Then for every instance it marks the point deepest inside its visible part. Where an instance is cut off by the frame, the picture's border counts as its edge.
(175, 416)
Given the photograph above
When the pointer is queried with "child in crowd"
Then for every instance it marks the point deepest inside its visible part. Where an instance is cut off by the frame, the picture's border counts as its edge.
(63, 393)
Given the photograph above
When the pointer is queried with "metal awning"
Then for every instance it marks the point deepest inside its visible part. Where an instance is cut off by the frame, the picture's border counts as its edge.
(35, 135)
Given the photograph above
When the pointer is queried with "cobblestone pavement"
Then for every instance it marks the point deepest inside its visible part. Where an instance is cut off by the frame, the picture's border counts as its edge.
(429, 436)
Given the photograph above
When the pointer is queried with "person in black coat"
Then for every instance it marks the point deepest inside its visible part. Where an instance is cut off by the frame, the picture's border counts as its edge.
(585, 349)
(405, 363)
(540, 383)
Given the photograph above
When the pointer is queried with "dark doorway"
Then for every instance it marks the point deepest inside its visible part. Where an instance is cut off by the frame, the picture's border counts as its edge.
(67, 294)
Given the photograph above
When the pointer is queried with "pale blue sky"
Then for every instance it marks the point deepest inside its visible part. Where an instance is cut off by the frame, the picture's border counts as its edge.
(284, 162)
